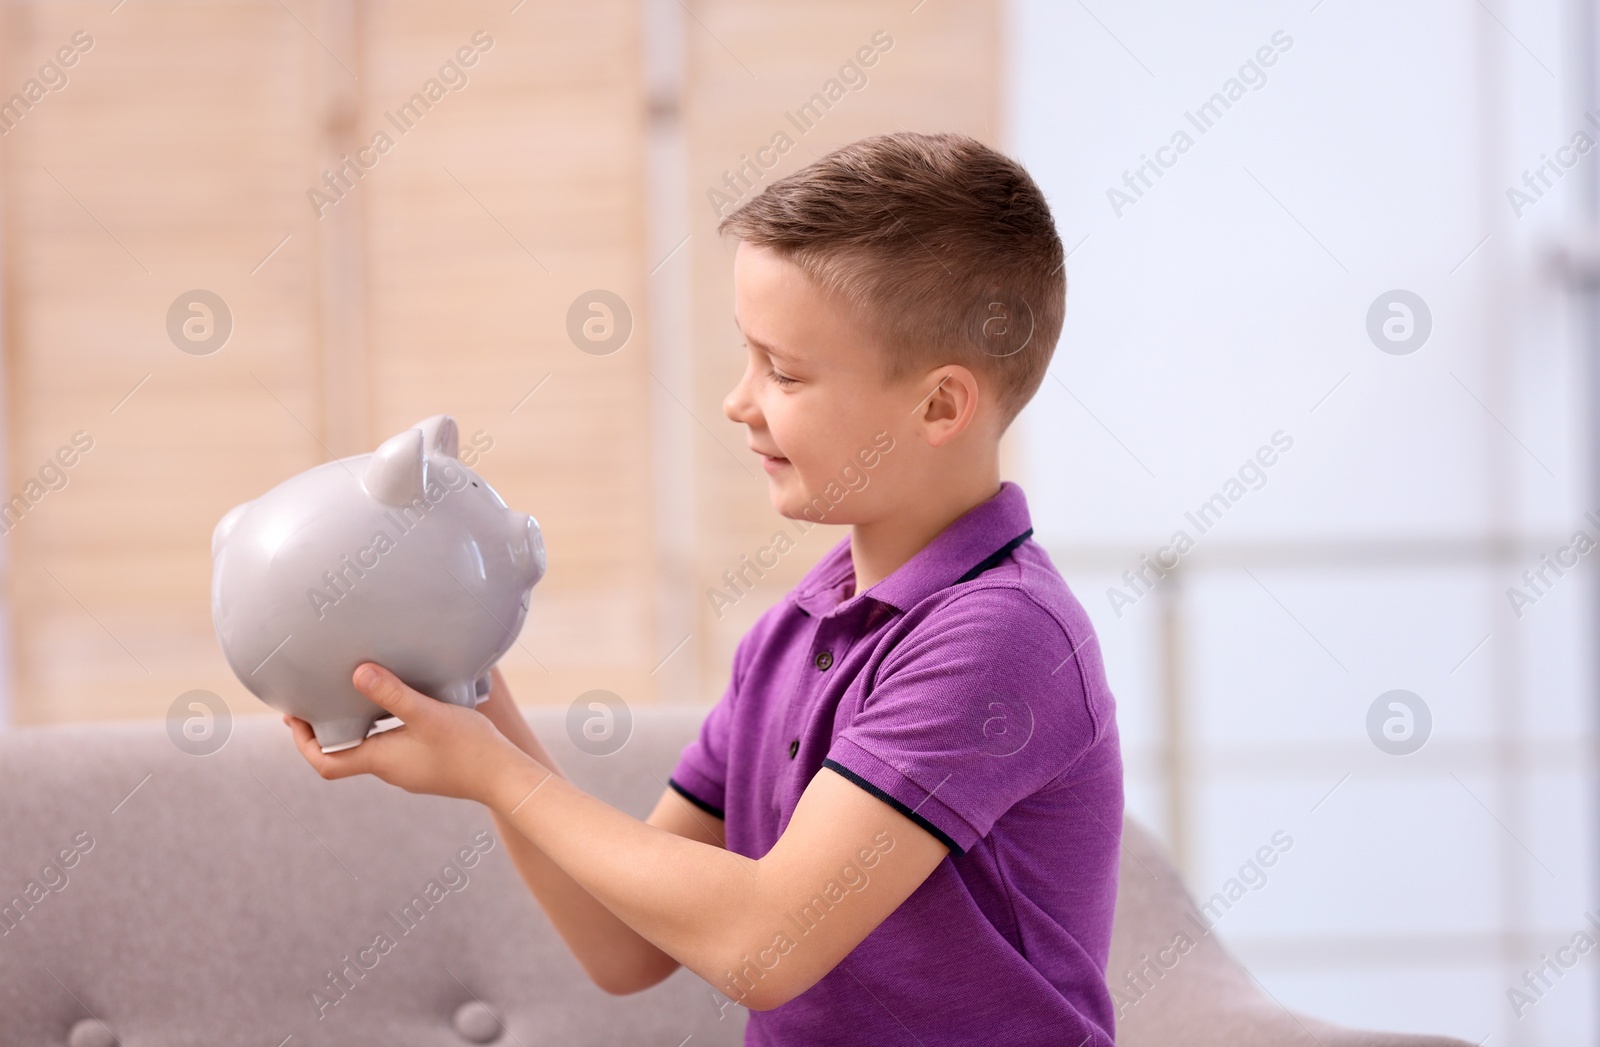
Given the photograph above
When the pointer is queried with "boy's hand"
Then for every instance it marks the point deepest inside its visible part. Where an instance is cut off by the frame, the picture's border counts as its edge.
(441, 749)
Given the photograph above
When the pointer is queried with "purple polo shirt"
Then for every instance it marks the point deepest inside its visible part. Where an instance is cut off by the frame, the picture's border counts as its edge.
(967, 691)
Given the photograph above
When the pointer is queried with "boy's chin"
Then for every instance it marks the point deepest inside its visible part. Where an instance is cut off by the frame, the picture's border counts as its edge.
(792, 502)
(783, 502)
(788, 498)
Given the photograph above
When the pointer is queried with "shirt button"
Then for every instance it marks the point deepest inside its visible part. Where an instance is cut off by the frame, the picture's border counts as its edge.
(794, 747)
(824, 659)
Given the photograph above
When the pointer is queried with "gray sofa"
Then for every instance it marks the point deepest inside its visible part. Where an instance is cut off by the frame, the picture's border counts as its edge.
(153, 897)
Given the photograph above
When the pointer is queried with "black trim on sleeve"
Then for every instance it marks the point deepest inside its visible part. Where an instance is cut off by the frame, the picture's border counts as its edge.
(994, 561)
(896, 804)
(692, 798)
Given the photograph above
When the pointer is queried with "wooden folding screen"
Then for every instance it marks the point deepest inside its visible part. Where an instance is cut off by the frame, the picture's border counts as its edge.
(397, 206)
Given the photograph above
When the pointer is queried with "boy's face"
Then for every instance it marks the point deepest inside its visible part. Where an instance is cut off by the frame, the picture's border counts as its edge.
(814, 396)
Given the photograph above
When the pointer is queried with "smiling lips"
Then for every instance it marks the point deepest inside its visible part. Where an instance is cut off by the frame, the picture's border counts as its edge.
(771, 462)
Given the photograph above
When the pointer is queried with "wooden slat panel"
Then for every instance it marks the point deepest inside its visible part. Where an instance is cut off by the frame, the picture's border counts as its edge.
(171, 161)
(499, 206)
(179, 156)
(189, 136)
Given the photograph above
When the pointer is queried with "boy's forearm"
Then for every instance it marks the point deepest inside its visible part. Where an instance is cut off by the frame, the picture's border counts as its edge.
(680, 895)
(615, 956)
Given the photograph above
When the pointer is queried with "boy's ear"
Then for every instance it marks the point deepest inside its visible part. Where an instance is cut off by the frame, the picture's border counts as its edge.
(950, 407)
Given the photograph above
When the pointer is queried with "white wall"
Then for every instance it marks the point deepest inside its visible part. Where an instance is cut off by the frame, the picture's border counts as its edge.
(1230, 301)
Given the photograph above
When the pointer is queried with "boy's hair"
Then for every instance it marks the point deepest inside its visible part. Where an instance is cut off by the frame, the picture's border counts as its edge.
(944, 247)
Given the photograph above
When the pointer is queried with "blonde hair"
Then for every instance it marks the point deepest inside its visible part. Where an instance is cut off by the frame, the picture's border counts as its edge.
(944, 247)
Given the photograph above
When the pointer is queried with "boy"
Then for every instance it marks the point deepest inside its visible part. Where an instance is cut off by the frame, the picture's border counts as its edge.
(901, 823)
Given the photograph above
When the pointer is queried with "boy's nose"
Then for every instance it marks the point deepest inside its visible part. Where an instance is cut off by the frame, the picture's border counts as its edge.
(737, 405)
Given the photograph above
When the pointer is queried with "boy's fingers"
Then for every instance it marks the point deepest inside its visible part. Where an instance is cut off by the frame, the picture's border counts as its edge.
(325, 764)
(385, 689)
(305, 740)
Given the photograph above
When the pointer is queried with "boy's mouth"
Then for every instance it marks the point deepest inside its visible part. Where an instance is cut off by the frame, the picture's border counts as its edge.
(771, 462)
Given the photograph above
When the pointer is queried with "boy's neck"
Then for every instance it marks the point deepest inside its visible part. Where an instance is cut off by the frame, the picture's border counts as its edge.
(879, 547)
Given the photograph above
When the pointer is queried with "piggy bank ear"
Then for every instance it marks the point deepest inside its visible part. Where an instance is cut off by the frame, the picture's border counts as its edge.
(440, 436)
(394, 476)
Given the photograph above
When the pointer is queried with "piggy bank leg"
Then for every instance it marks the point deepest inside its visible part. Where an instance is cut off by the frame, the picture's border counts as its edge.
(462, 694)
(335, 735)
(484, 685)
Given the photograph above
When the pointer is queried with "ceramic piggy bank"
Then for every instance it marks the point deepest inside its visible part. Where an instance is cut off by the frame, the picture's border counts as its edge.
(404, 557)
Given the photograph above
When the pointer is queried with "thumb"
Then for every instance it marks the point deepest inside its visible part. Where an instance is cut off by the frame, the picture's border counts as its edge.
(386, 689)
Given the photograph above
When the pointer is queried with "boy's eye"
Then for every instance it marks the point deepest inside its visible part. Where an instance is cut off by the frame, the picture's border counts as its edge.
(781, 379)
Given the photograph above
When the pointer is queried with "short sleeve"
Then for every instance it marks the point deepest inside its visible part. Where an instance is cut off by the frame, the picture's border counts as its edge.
(980, 705)
(701, 775)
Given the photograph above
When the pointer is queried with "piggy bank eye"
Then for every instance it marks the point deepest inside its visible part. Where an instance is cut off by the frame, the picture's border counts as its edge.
(474, 483)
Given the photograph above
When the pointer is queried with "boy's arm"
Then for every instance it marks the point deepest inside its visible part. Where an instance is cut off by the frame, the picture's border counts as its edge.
(728, 918)
(614, 955)
(721, 914)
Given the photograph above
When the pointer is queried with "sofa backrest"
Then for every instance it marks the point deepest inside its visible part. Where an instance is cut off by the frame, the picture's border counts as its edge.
(155, 896)
(238, 897)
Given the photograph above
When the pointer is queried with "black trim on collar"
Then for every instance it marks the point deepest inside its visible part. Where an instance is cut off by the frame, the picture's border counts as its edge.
(938, 834)
(994, 561)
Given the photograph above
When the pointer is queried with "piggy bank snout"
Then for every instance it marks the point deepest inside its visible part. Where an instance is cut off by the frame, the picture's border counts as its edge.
(528, 540)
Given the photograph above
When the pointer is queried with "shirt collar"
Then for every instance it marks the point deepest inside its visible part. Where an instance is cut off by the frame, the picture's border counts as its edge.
(986, 532)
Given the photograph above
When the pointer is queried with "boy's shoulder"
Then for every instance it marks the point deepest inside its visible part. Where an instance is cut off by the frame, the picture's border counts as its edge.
(1020, 603)
(1023, 584)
